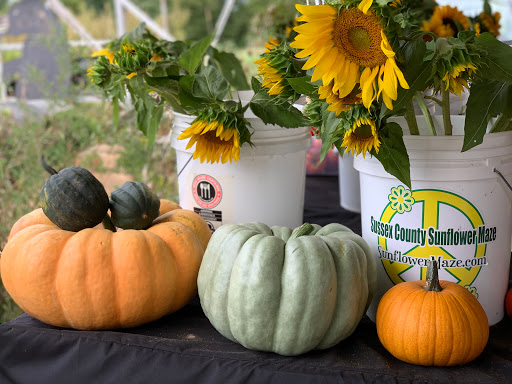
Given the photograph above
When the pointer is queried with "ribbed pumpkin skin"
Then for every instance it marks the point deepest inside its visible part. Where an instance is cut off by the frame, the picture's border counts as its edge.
(167, 206)
(269, 293)
(432, 328)
(73, 199)
(189, 218)
(133, 206)
(99, 279)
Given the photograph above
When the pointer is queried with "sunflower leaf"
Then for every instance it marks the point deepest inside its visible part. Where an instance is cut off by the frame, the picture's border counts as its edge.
(498, 58)
(163, 69)
(191, 59)
(282, 114)
(303, 86)
(168, 90)
(393, 154)
(148, 117)
(255, 85)
(329, 126)
(187, 98)
(228, 64)
(210, 85)
(154, 121)
(487, 99)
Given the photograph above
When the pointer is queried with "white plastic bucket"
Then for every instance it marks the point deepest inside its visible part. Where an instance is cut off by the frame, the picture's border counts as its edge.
(266, 185)
(460, 214)
(348, 179)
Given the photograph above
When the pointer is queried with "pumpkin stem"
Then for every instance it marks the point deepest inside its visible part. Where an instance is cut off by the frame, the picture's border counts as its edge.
(108, 224)
(304, 230)
(433, 277)
(48, 169)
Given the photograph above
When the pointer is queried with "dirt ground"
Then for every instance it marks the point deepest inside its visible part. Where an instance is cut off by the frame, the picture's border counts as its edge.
(101, 161)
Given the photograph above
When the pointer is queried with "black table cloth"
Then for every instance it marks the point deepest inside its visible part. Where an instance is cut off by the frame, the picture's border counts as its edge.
(184, 348)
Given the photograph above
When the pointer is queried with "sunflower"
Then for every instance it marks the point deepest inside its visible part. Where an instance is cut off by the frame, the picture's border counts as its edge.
(457, 79)
(490, 23)
(446, 21)
(348, 47)
(214, 141)
(361, 137)
(271, 43)
(276, 66)
(272, 79)
(105, 52)
(109, 54)
(336, 103)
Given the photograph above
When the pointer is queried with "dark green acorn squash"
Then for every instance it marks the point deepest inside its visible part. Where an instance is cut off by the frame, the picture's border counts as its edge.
(134, 206)
(73, 199)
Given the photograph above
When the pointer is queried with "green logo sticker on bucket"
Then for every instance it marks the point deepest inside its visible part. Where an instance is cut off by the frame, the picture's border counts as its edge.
(412, 230)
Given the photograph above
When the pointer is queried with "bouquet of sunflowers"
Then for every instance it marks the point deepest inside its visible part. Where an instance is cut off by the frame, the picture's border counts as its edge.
(192, 78)
(368, 61)
(360, 63)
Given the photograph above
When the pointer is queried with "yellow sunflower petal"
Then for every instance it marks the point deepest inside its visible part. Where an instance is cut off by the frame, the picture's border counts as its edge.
(329, 67)
(309, 48)
(387, 100)
(311, 29)
(316, 57)
(365, 5)
(368, 86)
(191, 142)
(399, 75)
(390, 82)
(385, 46)
(316, 10)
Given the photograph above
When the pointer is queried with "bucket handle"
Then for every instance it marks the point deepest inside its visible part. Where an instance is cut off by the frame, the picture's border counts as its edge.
(503, 178)
(188, 161)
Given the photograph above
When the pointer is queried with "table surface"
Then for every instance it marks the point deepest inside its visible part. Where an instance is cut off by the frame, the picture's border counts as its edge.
(184, 348)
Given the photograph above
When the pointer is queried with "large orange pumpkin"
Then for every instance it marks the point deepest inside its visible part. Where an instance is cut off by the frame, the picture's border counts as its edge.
(99, 279)
(432, 322)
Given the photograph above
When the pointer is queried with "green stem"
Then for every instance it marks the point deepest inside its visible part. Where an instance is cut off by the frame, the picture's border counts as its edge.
(435, 99)
(502, 124)
(433, 277)
(47, 168)
(426, 113)
(108, 224)
(446, 111)
(245, 107)
(410, 117)
(304, 230)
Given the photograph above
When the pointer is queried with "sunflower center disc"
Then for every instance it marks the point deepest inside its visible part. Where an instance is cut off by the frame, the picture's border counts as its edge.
(212, 137)
(364, 131)
(451, 23)
(359, 38)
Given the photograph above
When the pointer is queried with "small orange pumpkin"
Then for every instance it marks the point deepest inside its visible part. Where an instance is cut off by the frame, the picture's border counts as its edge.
(432, 322)
(99, 279)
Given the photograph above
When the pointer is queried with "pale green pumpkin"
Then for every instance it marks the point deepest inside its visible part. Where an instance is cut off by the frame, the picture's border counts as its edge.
(269, 290)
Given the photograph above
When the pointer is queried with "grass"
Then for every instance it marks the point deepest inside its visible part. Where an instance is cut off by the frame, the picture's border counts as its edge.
(61, 137)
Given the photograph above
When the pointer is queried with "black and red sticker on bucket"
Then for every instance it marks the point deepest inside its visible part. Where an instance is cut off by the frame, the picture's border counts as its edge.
(207, 191)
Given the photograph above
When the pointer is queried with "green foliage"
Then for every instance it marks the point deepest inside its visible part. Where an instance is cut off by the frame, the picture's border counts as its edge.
(74, 6)
(487, 99)
(191, 58)
(180, 76)
(498, 58)
(279, 113)
(393, 154)
(190, 77)
(273, 110)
